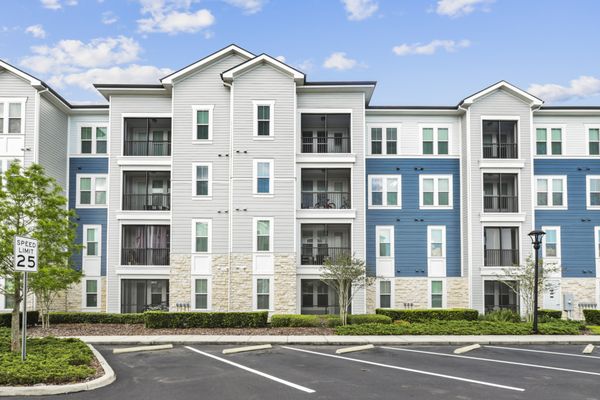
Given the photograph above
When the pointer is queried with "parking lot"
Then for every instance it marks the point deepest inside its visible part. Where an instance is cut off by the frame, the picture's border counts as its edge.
(385, 372)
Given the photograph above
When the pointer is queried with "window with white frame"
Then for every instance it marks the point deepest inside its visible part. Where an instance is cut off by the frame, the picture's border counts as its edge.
(91, 293)
(203, 122)
(385, 294)
(435, 191)
(263, 177)
(385, 191)
(593, 191)
(263, 118)
(93, 139)
(437, 294)
(202, 231)
(437, 241)
(263, 293)
(263, 234)
(384, 140)
(11, 116)
(202, 180)
(385, 241)
(92, 241)
(376, 141)
(548, 140)
(551, 242)
(551, 191)
(8, 291)
(435, 140)
(91, 190)
(594, 140)
(201, 294)
(391, 140)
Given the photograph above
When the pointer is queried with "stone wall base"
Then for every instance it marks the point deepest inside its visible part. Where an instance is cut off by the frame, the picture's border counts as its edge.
(72, 299)
(584, 292)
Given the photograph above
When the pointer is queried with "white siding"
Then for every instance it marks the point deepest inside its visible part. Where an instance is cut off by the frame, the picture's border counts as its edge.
(53, 141)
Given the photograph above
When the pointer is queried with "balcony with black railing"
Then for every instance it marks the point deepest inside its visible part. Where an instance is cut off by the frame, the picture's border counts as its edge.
(317, 255)
(328, 142)
(147, 202)
(501, 204)
(325, 200)
(325, 133)
(500, 139)
(501, 257)
(147, 190)
(500, 150)
(147, 137)
(144, 256)
(152, 148)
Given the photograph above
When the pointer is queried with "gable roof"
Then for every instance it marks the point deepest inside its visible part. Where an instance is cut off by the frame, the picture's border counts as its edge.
(533, 101)
(229, 75)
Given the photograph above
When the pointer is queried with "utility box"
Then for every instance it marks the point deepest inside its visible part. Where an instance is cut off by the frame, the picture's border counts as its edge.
(568, 302)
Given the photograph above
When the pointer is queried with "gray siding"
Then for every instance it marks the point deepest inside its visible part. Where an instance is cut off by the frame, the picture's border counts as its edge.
(53, 141)
(575, 135)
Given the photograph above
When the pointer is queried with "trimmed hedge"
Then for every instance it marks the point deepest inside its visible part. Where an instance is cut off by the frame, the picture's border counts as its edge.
(451, 314)
(501, 316)
(359, 319)
(32, 319)
(160, 319)
(592, 317)
(549, 314)
(325, 321)
(95, 318)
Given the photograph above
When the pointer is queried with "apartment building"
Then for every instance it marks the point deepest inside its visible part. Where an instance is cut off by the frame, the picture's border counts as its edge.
(226, 185)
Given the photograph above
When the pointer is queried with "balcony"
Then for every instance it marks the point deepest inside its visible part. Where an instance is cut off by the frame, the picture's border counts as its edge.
(324, 241)
(500, 139)
(501, 247)
(147, 137)
(146, 245)
(326, 188)
(143, 190)
(325, 133)
(501, 257)
(500, 193)
(500, 150)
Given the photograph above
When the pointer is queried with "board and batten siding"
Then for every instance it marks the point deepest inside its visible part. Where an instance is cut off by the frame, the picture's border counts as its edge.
(53, 141)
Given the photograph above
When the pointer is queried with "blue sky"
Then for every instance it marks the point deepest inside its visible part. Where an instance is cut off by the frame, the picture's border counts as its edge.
(421, 52)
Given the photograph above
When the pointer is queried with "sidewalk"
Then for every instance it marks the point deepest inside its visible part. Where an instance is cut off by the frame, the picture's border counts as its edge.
(343, 340)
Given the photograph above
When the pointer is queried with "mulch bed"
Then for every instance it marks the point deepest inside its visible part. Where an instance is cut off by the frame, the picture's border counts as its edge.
(139, 329)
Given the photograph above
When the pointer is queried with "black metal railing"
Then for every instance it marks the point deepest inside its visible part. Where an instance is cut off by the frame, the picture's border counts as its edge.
(501, 150)
(326, 144)
(498, 307)
(138, 256)
(154, 201)
(501, 203)
(339, 200)
(317, 255)
(316, 310)
(147, 148)
(501, 257)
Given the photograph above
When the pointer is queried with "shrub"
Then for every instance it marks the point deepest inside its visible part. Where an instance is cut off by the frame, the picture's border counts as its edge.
(451, 314)
(561, 327)
(548, 315)
(592, 317)
(359, 319)
(502, 316)
(299, 320)
(32, 319)
(159, 319)
(94, 318)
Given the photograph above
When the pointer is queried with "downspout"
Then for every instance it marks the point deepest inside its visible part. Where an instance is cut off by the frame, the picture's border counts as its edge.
(468, 205)
(229, 211)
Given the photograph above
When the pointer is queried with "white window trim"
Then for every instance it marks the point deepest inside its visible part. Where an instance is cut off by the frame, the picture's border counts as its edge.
(444, 292)
(588, 179)
(587, 128)
(6, 101)
(549, 128)
(255, 278)
(195, 110)
(84, 241)
(436, 179)
(384, 139)
(255, 177)
(385, 191)
(210, 181)
(207, 221)
(255, 104)
(551, 205)
(378, 292)
(430, 228)
(435, 128)
(558, 243)
(378, 229)
(92, 125)
(255, 232)
(84, 305)
(208, 293)
(93, 204)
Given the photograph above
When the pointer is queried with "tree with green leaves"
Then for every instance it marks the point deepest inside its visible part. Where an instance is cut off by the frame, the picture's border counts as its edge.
(347, 275)
(47, 284)
(32, 205)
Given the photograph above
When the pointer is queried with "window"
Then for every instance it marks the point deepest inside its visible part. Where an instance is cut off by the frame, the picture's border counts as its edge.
(263, 294)
(93, 139)
(263, 174)
(391, 140)
(376, 140)
(92, 241)
(551, 242)
(437, 241)
(86, 140)
(263, 234)
(594, 141)
(548, 140)
(11, 116)
(381, 135)
(593, 191)
(91, 190)
(201, 294)
(202, 180)
(263, 117)
(385, 240)
(435, 140)
(551, 191)
(203, 116)
(91, 293)
(385, 191)
(437, 294)
(8, 291)
(436, 191)
(202, 229)
(385, 294)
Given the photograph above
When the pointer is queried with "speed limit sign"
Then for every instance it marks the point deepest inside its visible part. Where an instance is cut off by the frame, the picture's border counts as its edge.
(26, 254)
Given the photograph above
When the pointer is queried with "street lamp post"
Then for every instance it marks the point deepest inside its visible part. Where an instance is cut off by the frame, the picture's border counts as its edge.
(536, 240)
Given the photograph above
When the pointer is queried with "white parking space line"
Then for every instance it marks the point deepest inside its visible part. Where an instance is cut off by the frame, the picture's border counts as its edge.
(575, 371)
(541, 351)
(416, 371)
(264, 375)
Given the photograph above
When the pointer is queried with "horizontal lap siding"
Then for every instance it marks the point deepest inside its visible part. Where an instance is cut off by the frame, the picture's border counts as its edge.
(575, 136)
(75, 123)
(53, 141)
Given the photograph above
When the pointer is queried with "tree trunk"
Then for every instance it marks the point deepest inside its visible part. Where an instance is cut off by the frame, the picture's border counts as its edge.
(15, 331)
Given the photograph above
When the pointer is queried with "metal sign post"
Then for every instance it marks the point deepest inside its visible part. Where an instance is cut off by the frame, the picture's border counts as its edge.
(26, 260)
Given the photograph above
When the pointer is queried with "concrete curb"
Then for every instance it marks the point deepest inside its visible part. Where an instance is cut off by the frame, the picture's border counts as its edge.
(45, 390)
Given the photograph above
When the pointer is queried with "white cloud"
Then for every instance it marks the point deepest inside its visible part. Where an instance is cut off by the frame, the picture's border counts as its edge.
(306, 65)
(57, 4)
(582, 87)
(457, 8)
(173, 16)
(430, 48)
(280, 58)
(37, 31)
(339, 61)
(130, 74)
(249, 6)
(109, 18)
(360, 9)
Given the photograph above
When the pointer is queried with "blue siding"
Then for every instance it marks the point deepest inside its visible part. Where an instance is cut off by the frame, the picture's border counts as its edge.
(577, 223)
(87, 216)
(410, 233)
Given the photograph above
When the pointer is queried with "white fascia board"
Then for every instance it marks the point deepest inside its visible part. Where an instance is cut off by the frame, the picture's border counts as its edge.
(228, 75)
(535, 102)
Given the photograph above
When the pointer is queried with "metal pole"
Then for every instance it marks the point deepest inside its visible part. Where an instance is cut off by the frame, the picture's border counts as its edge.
(24, 328)
(536, 246)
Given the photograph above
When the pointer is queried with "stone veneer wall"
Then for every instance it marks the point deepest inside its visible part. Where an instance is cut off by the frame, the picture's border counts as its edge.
(411, 290)
(180, 281)
(285, 284)
(371, 297)
(220, 283)
(583, 291)
(457, 293)
(241, 282)
(72, 299)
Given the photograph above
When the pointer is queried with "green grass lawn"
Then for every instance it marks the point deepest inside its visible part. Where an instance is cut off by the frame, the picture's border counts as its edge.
(594, 329)
(49, 361)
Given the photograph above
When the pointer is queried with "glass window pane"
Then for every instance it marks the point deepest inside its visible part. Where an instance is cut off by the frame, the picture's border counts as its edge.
(2, 111)
(385, 287)
(443, 199)
(595, 185)
(427, 147)
(263, 169)
(262, 243)
(551, 250)
(557, 185)
(391, 147)
(392, 184)
(264, 112)
(428, 134)
(391, 134)
(91, 300)
(91, 235)
(436, 301)
(86, 147)
(92, 249)
(541, 148)
(100, 197)
(377, 198)
(550, 236)
(436, 287)
(428, 185)
(595, 199)
(201, 301)
(85, 184)
(202, 132)
(14, 110)
(385, 301)
(101, 147)
(101, 132)
(443, 185)
(542, 185)
(428, 198)
(384, 250)
(91, 286)
(540, 134)
(86, 133)
(436, 235)
(262, 286)
(201, 229)
(594, 134)
(202, 172)
(263, 185)
(202, 117)
(377, 184)
(376, 148)
(594, 148)
(443, 148)
(557, 199)
(201, 244)
(542, 199)
(100, 183)
(376, 133)
(14, 125)
(263, 128)
(263, 227)
(392, 198)
(443, 134)
(556, 134)
(556, 148)
(201, 286)
(202, 188)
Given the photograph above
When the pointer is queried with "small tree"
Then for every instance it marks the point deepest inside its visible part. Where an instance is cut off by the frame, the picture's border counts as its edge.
(47, 283)
(521, 280)
(346, 275)
(32, 204)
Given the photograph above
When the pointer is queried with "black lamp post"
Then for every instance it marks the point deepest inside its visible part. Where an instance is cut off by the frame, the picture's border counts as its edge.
(536, 240)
